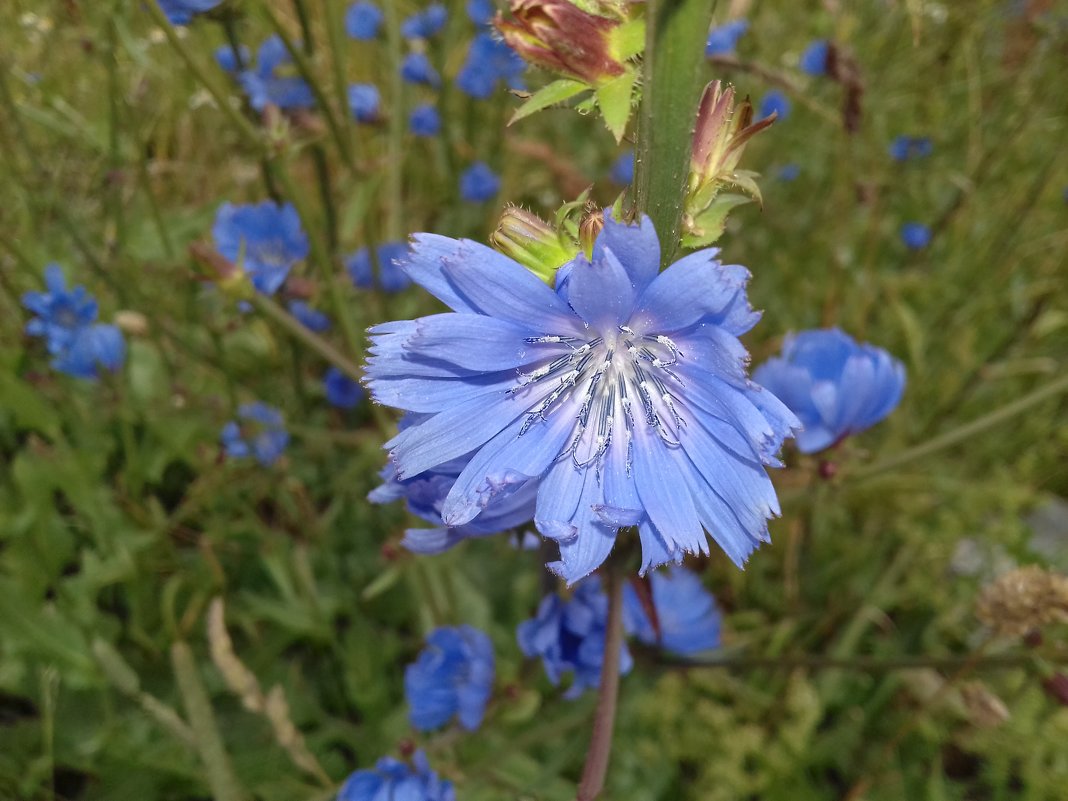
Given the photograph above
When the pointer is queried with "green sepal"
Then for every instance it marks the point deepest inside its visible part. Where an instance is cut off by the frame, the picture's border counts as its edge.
(549, 95)
(628, 40)
(708, 226)
(614, 99)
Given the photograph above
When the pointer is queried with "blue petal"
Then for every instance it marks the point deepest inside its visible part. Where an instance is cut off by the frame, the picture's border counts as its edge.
(692, 289)
(472, 341)
(636, 246)
(601, 291)
(663, 493)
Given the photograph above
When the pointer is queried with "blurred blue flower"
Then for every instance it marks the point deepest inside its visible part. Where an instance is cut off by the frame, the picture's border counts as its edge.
(264, 85)
(489, 62)
(227, 58)
(341, 391)
(426, 23)
(364, 101)
(259, 431)
(788, 172)
(622, 171)
(425, 496)
(390, 277)
(480, 11)
(686, 612)
(916, 236)
(478, 183)
(774, 102)
(416, 68)
(181, 12)
(624, 392)
(265, 239)
(452, 677)
(724, 39)
(66, 321)
(814, 59)
(392, 780)
(363, 20)
(312, 319)
(834, 385)
(425, 120)
(569, 637)
(906, 148)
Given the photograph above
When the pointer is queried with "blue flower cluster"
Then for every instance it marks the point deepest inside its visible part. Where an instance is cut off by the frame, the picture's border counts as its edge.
(259, 432)
(181, 12)
(390, 277)
(723, 40)
(392, 780)
(341, 391)
(265, 240)
(687, 618)
(490, 62)
(478, 183)
(363, 20)
(814, 59)
(268, 82)
(364, 102)
(66, 321)
(909, 148)
(312, 319)
(452, 677)
(425, 23)
(834, 385)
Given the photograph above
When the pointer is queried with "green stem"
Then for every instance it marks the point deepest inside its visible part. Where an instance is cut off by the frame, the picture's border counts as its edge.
(116, 177)
(966, 431)
(395, 157)
(308, 338)
(864, 664)
(219, 772)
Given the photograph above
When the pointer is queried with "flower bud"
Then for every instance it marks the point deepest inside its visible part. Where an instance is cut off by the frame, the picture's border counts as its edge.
(560, 36)
(590, 227)
(532, 242)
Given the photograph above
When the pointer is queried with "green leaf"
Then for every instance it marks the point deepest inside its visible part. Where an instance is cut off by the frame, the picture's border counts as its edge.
(550, 95)
(614, 100)
(628, 40)
(708, 226)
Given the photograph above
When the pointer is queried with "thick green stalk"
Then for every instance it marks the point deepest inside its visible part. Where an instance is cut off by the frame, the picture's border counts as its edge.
(673, 75)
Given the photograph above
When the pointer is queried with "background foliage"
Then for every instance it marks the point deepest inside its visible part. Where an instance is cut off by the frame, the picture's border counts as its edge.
(120, 521)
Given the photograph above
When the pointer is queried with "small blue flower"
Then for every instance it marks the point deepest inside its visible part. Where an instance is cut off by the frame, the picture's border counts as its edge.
(788, 172)
(489, 62)
(264, 85)
(392, 780)
(62, 314)
(341, 391)
(390, 277)
(426, 23)
(312, 319)
(724, 39)
(774, 102)
(452, 677)
(478, 183)
(814, 59)
(425, 120)
(416, 68)
(181, 12)
(259, 431)
(623, 392)
(364, 101)
(622, 171)
(686, 613)
(834, 385)
(265, 239)
(363, 20)
(480, 11)
(97, 347)
(569, 636)
(908, 148)
(916, 236)
(228, 59)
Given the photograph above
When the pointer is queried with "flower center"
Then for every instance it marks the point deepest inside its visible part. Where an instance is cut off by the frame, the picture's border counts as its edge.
(599, 381)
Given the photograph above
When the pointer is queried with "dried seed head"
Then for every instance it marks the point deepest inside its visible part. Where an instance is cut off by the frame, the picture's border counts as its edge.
(1024, 599)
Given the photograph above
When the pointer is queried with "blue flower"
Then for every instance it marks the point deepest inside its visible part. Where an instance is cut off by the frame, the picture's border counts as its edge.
(259, 431)
(623, 392)
(916, 236)
(425, 496)
(907, 148)
(228, 59)
(341, 391)
(478, 183)
(724, 39)
(416, 68)
(480, 11)
(426, 23)
(363, 20)
(774, 102)
(66, 321)
(425, 120)
(312, 319)
(265, 239)
(569, 637)
(788, 172)
(489, 61)
(685, 611)
(392, 780)
(390, 277)
(452, 677)
(834, 385)
(264, 85)
(364, 101)
(814, 59)
(181, 12)
(622, 171)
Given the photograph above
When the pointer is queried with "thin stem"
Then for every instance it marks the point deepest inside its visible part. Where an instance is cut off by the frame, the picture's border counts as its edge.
(951, 438)
(395, 158)
(306, 337)
(600, 749)
(864, 664)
